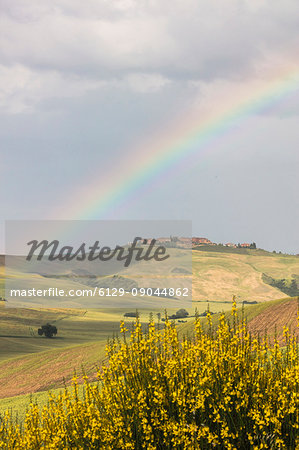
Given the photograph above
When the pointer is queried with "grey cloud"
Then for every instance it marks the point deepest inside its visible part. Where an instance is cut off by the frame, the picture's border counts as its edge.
(174, 38)
(68, 48)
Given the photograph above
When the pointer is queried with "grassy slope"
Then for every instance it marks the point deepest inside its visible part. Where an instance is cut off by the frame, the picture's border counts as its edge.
(18, 329)
(218, 276)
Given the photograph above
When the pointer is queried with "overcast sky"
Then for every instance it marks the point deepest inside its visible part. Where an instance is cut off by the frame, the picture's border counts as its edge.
(82, 83)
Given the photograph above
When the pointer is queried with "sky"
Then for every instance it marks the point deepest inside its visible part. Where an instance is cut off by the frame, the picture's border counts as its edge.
(89, 89)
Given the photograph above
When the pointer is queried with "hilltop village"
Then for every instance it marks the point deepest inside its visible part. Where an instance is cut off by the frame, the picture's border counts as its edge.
(193, 242)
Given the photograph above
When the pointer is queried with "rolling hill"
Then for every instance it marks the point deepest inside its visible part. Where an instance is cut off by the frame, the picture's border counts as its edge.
(218, 273)
(29, 363)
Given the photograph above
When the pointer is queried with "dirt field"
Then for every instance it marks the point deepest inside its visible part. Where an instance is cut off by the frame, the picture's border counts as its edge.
(272, 320)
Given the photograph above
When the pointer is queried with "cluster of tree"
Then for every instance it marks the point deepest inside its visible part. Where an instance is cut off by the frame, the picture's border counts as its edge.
(131, 314)
(180, 314)
(287, 286)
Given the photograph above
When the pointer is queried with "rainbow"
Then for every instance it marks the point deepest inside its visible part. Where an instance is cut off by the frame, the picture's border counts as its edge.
(188, 138)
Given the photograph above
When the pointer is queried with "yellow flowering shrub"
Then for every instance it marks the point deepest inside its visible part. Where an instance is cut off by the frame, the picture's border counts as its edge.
(220, 389)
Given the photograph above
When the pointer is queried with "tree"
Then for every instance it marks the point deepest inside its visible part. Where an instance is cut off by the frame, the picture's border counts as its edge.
(181, 313)
(48, 330)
